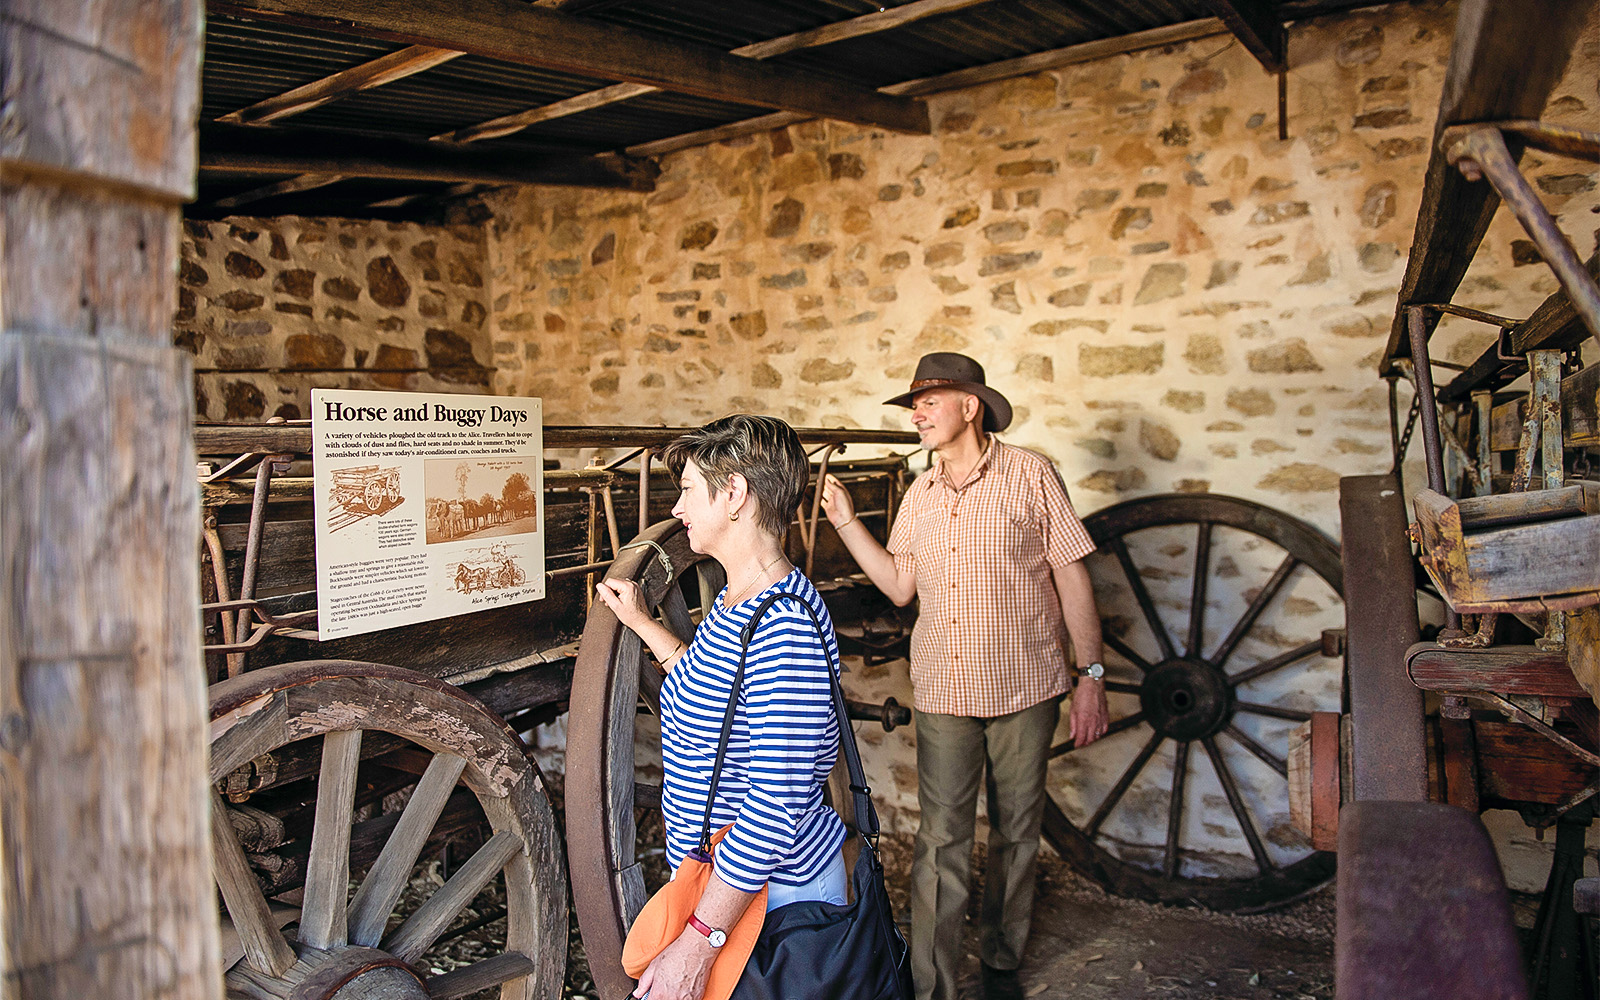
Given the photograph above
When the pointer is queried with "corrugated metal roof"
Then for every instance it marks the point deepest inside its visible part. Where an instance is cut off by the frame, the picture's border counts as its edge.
(247, 61)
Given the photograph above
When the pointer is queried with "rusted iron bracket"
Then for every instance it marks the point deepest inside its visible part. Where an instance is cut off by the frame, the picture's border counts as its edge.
(266, 623)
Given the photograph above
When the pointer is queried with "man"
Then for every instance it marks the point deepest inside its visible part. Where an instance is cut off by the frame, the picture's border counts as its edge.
(990, 543)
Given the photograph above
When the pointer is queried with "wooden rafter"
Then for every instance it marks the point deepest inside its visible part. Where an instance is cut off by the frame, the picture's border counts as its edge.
(517, 32)
(827, 34)
(988, 73)
(374, 73)
(1258, 27)
(235, 149)
(293, 185)
(1505, 60)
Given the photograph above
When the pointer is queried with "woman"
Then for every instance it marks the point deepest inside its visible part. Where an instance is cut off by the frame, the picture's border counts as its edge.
(740, 480)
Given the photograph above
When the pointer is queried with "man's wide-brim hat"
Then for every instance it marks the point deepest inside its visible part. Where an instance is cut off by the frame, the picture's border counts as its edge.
(944, 370)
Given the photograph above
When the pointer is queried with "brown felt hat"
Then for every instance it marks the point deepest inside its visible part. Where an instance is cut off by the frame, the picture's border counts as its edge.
(944, 370)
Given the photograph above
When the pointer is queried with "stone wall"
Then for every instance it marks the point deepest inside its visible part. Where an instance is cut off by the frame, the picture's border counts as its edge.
(1174, 298)
(272, 308)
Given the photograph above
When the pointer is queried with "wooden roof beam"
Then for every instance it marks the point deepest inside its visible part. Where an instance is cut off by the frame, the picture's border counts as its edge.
(827, 34)
(374, 73)
(1038, 62)
(1257, 26)
(1506, 58)
(237, 149)
(517, 32)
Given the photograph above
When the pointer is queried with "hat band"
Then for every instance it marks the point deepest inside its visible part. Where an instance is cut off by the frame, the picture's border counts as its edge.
(929, 383)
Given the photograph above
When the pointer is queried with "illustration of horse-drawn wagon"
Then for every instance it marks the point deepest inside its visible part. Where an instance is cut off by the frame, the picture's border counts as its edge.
(496, 569)
(366, 488)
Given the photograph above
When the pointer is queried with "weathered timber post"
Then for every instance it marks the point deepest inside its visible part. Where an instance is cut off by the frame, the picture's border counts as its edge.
(105, 868)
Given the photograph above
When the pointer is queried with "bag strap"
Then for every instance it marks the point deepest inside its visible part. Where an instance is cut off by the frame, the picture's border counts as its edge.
(866, 815)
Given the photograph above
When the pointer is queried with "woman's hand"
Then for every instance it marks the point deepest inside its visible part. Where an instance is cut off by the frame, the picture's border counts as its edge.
(836, 502)
(625, 601)
(680, 971)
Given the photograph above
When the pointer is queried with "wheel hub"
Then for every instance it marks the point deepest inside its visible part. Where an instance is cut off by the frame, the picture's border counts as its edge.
(1186, 699)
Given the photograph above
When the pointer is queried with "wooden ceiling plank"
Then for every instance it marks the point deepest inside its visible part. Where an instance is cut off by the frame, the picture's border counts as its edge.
(1258, 28)
(375, 73)
(497, 128)
(233, 149)
(856, 27)
(1038, 62)
(1506, 58)
(292, 185)
(517, 32)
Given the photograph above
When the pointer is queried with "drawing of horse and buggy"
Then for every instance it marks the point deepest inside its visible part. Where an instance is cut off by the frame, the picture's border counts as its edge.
(496, 570)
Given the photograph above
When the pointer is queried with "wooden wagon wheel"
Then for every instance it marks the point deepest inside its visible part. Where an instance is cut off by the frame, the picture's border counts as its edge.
(1189, 670)
(342, 943)
(611, 676)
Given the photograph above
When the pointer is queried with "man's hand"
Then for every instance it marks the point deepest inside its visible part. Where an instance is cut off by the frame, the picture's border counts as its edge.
(680, 971)
(836, 502)
(1089, 716)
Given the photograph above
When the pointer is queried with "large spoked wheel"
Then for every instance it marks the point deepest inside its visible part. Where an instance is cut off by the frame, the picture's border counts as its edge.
(612, 676)
(344, 945)
(1213, 610)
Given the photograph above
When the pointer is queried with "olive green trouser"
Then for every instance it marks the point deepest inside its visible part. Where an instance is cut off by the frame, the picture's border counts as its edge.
(951, 753)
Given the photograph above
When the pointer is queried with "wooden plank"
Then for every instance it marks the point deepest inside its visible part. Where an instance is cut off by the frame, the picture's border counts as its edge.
(385, 69)
(1257, 26)
(292, 185)
(423, 927)
(1504, 669)
(496, 128)
(1505, 60)
(240, 149)
(855, 27)
(470, 979)
(1038, 62)
(264, 948)
(1554, 325)
(532, 36)
(1580, 413)
(322, 917)
(1478, 513)
(1516, 764)
(369, 911)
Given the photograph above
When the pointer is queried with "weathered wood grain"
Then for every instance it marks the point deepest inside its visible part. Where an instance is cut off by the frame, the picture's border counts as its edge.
(479, 975)
(322, 917)
(264, 948)
(1504, 669)
(1516, 764)
(423, 927)
(385, 69)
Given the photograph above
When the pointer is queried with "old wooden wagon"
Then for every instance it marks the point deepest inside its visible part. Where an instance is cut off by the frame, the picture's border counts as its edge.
(352, 757)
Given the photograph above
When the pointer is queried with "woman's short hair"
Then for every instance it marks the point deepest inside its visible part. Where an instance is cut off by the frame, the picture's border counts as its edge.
(765, 450)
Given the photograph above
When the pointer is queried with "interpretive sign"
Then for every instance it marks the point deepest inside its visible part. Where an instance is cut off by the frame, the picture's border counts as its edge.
(427, 505)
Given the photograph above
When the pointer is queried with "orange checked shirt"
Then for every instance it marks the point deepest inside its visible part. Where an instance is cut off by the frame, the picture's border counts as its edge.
(988, 640)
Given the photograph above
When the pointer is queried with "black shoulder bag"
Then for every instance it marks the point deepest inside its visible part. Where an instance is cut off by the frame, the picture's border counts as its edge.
(811, 949)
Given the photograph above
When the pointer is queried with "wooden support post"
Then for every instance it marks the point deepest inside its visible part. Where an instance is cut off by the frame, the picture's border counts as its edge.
(105, 846)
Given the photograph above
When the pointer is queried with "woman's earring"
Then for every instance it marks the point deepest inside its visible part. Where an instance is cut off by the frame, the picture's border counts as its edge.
(733, 515)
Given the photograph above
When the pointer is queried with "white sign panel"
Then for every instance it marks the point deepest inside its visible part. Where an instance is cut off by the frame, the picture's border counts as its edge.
(427, 505)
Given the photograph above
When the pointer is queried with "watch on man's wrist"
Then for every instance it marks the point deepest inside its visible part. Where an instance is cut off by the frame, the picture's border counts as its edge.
(715, 937)
(1092, 671)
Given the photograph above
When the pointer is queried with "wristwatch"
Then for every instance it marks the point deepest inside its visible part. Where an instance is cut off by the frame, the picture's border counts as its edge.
(714, 937)
(1094, 671)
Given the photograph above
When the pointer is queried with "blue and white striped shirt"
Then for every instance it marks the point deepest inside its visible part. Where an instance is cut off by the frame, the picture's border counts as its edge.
(784, 737)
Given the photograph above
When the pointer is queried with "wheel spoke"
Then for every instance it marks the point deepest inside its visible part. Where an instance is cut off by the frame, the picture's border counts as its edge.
(322, 918)
(1266, 756)
(1140, 594)
(1116, 727)
(675, 613)
(423, 927)
(1231, 789)
(1197, 597)
(387, 878)
(479, 976)
(1281, 660)
(1123, 784)
(1126, 652)
(1267, 593)
(1273, 711)
(1122, 687)
(264, 948)
(1180, 774)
